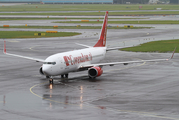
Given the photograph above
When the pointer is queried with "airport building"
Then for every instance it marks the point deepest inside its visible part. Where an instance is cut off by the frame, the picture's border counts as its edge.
(87, 1)
(60, 1)
(79, 1)
(130, 1)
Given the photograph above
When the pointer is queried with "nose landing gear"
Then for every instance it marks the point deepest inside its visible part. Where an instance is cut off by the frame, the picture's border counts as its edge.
(62, 76)
(51, 81)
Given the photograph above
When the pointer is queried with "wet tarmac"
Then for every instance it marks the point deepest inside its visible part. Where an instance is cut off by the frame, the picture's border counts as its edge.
(133, 92)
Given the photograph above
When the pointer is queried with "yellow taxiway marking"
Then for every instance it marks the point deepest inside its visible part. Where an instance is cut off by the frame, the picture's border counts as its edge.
(41, 96)
(109, 109)
(65, 103)
(13, 41)
(106, 108)
(31, 48)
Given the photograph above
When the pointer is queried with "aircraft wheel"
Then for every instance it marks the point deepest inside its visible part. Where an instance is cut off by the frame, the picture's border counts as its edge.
(66, 75)
(62, 76)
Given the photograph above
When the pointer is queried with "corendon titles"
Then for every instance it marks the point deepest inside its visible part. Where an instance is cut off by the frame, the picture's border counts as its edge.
(70, 60)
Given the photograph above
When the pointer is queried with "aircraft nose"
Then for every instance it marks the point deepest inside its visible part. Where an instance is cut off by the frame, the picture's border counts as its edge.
(47, 70)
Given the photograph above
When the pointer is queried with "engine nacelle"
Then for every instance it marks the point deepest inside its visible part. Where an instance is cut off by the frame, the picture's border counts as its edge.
(95, 72)
(41, 71)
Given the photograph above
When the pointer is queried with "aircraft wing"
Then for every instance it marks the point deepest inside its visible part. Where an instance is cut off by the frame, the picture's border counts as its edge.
(25, 57)
(126, 62)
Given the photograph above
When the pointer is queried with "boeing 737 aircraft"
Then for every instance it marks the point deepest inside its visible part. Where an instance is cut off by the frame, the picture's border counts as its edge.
(78, 60)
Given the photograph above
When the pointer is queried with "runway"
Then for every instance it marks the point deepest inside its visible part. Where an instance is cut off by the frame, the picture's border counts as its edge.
(133, 92)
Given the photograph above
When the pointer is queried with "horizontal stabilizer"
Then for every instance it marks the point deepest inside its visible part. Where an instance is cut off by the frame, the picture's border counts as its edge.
(116, 48)
(83, 45)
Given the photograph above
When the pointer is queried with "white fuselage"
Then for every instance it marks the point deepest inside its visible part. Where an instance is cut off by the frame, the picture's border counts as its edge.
(63, 63)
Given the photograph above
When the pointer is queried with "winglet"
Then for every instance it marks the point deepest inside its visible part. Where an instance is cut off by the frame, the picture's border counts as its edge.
(173, 53)
(4, 47)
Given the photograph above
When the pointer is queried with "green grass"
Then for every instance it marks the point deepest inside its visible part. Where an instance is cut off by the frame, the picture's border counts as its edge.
(127, 22)
(99, 13)
(156, 46)
(89, 7)
(85, 7)
(30, 34)
(72, 27)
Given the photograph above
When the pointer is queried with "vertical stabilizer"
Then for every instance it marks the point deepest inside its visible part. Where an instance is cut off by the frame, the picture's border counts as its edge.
(102, 40)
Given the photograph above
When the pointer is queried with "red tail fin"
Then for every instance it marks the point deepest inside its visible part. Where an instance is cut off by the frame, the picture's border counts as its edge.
(102, 40)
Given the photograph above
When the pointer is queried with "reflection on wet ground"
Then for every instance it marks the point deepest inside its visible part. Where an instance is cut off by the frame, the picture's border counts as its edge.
(132, 92)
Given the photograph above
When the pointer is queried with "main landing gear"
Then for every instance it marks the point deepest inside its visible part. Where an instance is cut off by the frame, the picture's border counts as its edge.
(66, 76)
(62, 76)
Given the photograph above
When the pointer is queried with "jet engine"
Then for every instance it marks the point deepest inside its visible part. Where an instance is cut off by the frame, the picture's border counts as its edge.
(95, 72)
(41, 71)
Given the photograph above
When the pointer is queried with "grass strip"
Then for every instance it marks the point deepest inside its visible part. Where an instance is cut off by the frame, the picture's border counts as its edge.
(73, 27)
(141, 13)
(163, 46)
(127, 22)
(30, 34)
(85, 7)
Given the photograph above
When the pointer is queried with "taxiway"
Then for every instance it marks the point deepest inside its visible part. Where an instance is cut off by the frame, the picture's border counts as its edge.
(133, 92)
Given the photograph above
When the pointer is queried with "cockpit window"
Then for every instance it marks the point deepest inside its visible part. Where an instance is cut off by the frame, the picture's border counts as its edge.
(52, 63)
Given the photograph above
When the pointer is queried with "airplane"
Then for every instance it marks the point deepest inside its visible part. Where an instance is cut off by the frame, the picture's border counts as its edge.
(78, 60)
